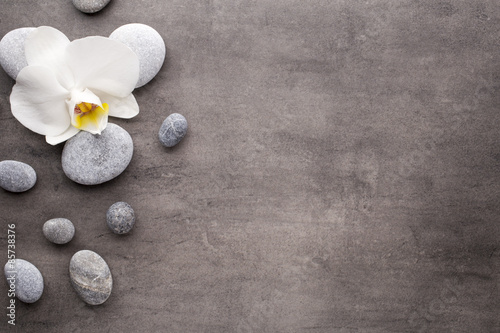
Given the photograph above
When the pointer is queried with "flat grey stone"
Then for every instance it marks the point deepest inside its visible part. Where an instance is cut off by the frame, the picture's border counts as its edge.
(90, 6)
(172, 130)
(120, 217)
(59, 230)
(92, 159)
(90, 277)
(149, 46)
(25, 278)
(16, 176)
(12, 56)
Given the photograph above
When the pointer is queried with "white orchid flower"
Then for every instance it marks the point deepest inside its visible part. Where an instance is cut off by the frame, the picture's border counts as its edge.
(72, 86)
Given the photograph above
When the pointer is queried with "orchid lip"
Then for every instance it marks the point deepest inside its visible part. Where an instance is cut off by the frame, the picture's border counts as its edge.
(90, 116)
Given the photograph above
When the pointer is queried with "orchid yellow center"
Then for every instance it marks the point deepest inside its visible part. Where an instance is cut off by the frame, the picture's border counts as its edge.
(89, 115)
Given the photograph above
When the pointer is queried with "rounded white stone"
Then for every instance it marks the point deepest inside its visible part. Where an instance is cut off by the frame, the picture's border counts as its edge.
(12, 56)
(90, 6)
(120, 217)
(172, 130)
(16, 176)
(90, 159)
(149, 46)
(25, 278)
(90, 277)
(59, 230)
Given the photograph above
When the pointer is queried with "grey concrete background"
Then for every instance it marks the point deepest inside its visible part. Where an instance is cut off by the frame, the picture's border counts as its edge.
(340, 174)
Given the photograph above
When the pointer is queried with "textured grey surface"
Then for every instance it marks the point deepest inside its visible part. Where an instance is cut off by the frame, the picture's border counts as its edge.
(172, 130)
(59, 230)
(90, 6)
(28, 280)
(340, 174)
(90, 277)
(94, 159)
(12, 57)
(16, 176)
(149, 46)
(120, 217)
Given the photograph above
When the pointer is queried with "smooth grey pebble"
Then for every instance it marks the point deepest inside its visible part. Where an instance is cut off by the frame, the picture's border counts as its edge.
(149, 46)
(90, 6)
(92, 159)
(16, 176)
(120, 217)
(90, 277)
(12, 56)
(172, 130)
(59, 230)
(26, 278)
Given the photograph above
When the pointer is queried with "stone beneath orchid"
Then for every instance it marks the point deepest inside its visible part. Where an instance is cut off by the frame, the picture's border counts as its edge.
(147, 44)
(95, 159)
(12, 58)
(72, 86)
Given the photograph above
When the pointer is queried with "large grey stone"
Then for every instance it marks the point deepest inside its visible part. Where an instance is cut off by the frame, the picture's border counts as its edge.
(120, 217)
(149, 46)
(172, 130)
(59, 230)
(12, 56)
(90, 277)
(92, 159)
(25, 278)
(90, 6)
(16, 176)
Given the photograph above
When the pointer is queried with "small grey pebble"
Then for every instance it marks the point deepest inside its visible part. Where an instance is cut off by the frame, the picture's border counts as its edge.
(59, 230)
(26, 278)
(149, 46)
(120, 217)
(90, 159)
(90, 277)
(16, 176)
(172, 130)
(12, 56)
(90, 6)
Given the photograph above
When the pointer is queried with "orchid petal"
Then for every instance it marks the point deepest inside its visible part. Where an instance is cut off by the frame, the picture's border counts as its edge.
(38, 101)
(45, 46)
(100, 63)
(84, 96)
(125, 108)
(69, 133)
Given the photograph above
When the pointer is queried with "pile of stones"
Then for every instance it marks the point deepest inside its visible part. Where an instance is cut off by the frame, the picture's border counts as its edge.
(89, 273)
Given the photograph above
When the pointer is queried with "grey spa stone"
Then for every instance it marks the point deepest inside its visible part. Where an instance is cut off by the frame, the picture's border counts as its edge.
(172, 130)
(59, 230)
(120, 217)
(92, 159)
(25, 279)
(149, 46)
(90, 277)
(16, 176)
(12, 56)
(90, 6)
